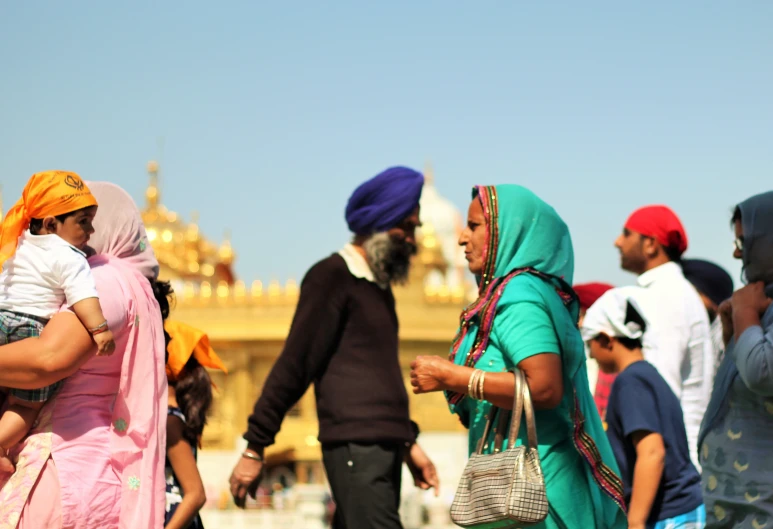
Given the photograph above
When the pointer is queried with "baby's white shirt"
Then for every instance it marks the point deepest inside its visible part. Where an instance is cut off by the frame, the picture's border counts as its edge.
(45, 273)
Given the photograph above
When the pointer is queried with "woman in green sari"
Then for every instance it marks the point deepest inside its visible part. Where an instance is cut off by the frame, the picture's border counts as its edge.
(526, 316)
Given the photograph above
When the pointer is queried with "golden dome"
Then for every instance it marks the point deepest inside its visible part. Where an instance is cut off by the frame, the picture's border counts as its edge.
(182, 251)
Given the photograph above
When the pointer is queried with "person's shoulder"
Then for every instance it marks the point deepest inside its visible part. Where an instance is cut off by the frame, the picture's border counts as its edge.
(331, 268)
(641, 374)
(526, 288)
(65, 254)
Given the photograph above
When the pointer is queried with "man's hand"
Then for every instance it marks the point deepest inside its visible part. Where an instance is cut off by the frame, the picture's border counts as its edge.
(245, 478)
(423, 471)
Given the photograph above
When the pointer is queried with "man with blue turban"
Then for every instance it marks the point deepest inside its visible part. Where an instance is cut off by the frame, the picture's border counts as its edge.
(344, 340)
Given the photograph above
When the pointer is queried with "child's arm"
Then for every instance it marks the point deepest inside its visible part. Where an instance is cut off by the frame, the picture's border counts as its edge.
(90, 313)
(650, 459)
(180, 455)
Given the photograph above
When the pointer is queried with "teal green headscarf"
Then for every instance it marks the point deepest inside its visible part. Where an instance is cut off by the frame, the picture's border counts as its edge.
(527, 236)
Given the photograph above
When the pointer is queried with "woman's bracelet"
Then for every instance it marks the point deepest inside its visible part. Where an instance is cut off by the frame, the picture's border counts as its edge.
(471, 383)
(475, 384)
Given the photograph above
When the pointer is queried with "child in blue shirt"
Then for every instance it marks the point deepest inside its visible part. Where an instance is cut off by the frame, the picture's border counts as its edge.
(645, 424)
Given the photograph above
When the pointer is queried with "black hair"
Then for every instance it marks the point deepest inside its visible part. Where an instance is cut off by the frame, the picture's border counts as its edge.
(630, 343)
(164, 294)
(193, 389)
(37, 224)
(673, 254)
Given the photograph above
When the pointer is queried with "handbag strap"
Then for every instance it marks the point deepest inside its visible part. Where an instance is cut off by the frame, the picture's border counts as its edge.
(526, 408)
(517, 410)
(522, 405)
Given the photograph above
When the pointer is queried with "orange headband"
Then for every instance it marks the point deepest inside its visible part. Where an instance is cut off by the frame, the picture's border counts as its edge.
(187, 341)
(47, 194)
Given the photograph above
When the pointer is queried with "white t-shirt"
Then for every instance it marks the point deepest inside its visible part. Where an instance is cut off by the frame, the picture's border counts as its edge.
(43, 274)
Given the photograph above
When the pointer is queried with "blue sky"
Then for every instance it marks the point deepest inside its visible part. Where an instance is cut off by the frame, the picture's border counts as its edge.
(271, 113)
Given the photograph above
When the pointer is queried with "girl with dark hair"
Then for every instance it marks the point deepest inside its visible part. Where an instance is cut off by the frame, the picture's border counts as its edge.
(190, 397)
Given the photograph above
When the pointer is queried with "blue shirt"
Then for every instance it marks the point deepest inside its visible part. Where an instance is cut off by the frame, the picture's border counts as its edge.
(642, 401)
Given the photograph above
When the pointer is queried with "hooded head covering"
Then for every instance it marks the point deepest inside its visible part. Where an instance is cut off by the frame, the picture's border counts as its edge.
(588, 293)
(615, 314)
(46, 194)
(138, 438)
(660, 223)
(383, 201)
(709, 279)
(119, 231)
(757, 221)
(526, 237)
(186, 342)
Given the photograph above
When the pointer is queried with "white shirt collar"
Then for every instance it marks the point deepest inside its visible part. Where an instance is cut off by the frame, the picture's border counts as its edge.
(358, 265)
(664, 271)
(49, 240)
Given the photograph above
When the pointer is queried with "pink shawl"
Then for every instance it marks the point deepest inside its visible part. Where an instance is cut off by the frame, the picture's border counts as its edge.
(138, 436)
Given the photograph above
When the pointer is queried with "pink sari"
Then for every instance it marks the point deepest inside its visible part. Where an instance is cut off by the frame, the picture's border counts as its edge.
(96, 457)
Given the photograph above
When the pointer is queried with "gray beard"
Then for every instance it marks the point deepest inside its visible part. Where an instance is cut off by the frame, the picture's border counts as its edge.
(389, 260)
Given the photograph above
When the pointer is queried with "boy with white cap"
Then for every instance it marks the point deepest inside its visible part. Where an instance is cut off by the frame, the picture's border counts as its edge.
(645, 421)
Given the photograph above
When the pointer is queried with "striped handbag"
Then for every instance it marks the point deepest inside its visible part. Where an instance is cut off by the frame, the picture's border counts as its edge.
(505, 489)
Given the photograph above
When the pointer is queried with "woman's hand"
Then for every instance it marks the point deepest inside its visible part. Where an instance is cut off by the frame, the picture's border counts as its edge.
(751, 297)
(430, 373)
(749, 303)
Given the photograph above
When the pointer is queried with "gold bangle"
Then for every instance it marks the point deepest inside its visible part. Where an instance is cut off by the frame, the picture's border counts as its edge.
(472, 385)
(481, 394)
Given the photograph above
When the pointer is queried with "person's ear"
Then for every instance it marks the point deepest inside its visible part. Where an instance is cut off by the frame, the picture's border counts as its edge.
(50, 224)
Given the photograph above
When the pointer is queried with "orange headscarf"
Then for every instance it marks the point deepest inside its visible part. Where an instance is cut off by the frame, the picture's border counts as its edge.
(47, 194)
(187, 341)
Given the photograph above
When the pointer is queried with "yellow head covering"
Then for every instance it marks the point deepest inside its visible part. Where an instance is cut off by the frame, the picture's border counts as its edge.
(187, 341)
(47, 194)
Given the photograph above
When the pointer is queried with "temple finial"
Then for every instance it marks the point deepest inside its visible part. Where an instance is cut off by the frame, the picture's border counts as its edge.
(429, 174)
(152, 194)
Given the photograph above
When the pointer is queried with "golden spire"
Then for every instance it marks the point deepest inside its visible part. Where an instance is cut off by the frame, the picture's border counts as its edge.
(152, 193)
(226, 252)
(429, 174)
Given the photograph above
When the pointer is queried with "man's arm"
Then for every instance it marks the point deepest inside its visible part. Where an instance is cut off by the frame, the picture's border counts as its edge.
(313, 336)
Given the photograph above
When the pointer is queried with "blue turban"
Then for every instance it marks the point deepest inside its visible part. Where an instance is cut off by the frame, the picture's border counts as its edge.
(709, 279)
(383, 201)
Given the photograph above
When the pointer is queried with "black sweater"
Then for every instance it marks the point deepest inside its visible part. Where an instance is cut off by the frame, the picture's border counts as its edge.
(343, 338)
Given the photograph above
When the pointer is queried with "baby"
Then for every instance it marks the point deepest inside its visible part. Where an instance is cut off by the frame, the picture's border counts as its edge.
(44, 267)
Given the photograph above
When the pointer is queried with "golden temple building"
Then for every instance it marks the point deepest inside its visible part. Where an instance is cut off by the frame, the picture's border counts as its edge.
(248, 323)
